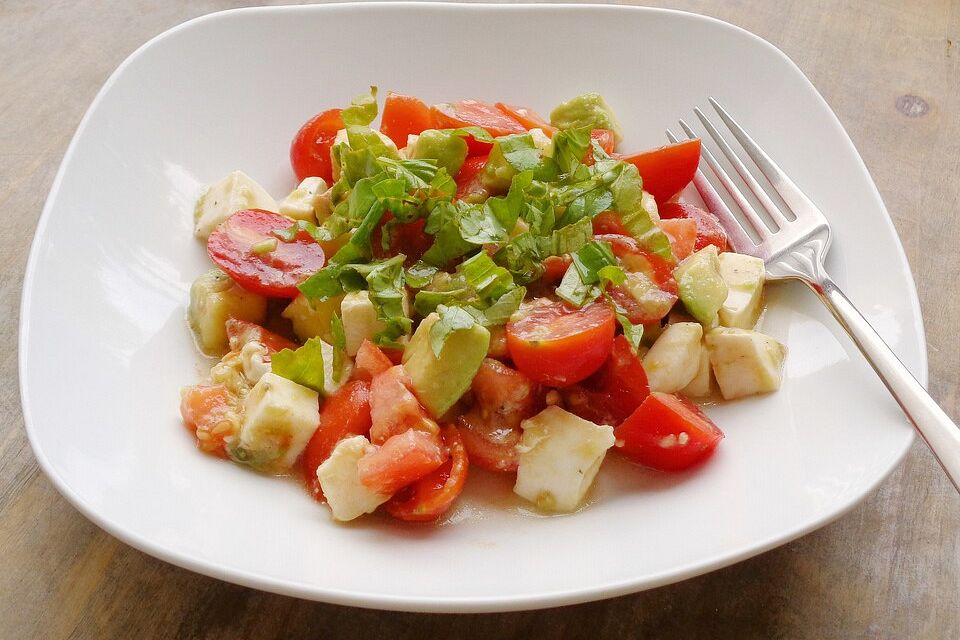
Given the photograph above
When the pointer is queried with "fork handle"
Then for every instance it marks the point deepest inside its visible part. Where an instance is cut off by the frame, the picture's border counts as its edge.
(933, 424)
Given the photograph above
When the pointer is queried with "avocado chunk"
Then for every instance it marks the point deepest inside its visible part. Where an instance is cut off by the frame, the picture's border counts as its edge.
(744, 276)
(439, 382)
(745, 362)
(447, 149)
(587, 110)
(702, 289)
(509, 155)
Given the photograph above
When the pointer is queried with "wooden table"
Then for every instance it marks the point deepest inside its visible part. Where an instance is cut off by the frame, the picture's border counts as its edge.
(891, 568)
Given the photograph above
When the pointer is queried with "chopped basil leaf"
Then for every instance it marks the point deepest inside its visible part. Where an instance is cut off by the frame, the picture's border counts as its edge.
(362, 110)
(451, 320)
(339, 339)
(303, 365)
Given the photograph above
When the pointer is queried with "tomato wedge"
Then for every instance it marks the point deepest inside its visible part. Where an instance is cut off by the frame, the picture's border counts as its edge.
(473, 113)
(469, 185)
(404, 116)
(554, 267)
(615, 391)
(394, 408)
(430, 496)
(682, 234)
(370, 362)
(668, 432)
(407, 238)
(345, 413)
(667, 170)
(709, 229)
(240, 332)
(605, 138)
(636, 258)
(528, 118)
(559, 345)
(310, 149)
(273, 273)
(402, 459)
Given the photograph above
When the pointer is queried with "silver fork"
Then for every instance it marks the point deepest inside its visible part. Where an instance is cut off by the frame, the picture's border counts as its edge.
(796, 251)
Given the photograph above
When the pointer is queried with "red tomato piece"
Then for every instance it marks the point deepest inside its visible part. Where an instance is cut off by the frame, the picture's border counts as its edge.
(208, 411)
(669, 433)
(606, 140)
(430, 496)
(652, 306)
(615, 391)
(275, 273)
(402, 459)
(667, 170)
(240, 332)
(394, 408)
(404, 116)
(609, 222)
(528, 118)
(709, 229)
(635, 258)
(490, 447)
(559, 345)
(553, 269)
(473, 113)
(682, 234)
(407, 238)
(370, 362)
(469, 181)
(310, 149)
(345, 413)
(503, 393)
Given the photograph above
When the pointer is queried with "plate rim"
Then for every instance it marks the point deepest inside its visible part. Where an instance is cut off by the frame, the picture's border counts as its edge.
(457, 604)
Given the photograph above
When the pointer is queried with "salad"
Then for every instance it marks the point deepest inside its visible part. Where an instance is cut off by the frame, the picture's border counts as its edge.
(468, 285)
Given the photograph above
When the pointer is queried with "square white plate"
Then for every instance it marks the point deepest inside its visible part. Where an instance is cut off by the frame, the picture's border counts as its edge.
(104, 347)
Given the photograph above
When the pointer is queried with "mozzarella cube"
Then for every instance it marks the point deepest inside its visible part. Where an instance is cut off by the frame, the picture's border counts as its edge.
(330, 386)
(745, 362)
(360, 321)
(234, 192)
(674, 358)
(744, 276)
(702, 383)
(302, 202)
(311, 318)
(279, 417)
(560, 454)
(346, 496)
(215, 297)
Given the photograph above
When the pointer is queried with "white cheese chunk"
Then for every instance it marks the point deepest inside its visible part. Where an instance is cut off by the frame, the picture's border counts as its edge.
(745, 362)
(302, 202)
(346, 496)
(234, 192)
(542, 142)
(279, 417)
(560, 454)
(702, 383)
(744, 276)
(674, 358)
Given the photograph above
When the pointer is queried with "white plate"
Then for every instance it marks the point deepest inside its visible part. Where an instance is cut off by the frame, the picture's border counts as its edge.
(104, 347)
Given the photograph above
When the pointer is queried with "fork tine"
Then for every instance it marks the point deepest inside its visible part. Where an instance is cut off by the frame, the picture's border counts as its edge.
(790, 192)
(737, 237)
(747, 177)
(748, 211)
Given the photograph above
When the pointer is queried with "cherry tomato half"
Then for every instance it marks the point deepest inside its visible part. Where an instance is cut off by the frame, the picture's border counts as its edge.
(345, 413)
(275, 272)
(310, 149)
(404, 116)
(430, 496)
(667, 170)
(615, 391)
(668, 432)
(559, 345)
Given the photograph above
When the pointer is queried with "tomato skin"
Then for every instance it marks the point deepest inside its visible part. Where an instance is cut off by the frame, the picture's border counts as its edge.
(203, 409)
(559, 345)
(636, 258)
(370, 362)
(407, 238)
(402, 459)
(275, 273)
(310, 149)
(394, 408)
(615, 391)
(404, 116)
(473, 113)
(609, 223)
(240, 332)
(668, 433)
(430, 496)
(605, 138)
(345, 413)
(682, 234)
(554, 267)
(528, 118)
(667, 170)
(709, 229)
(490, 447)
(469, 181)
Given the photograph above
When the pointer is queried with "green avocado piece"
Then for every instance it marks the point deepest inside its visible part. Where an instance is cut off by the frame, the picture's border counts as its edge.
(440, 382)
(447, 149)
(509, 156)
(702, 289)
(587, 110)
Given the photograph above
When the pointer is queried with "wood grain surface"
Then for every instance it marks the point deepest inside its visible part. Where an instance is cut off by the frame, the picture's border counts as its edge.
(890, 69)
